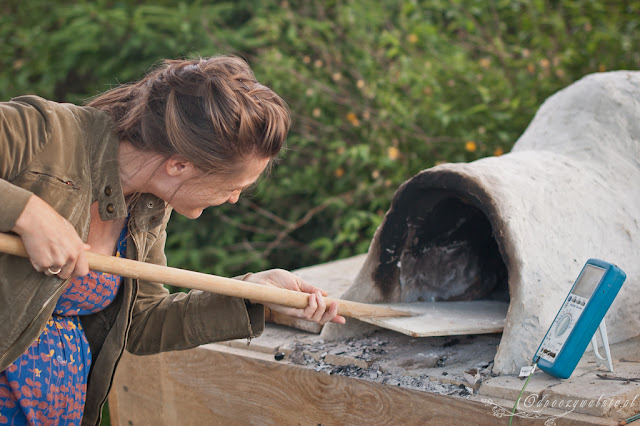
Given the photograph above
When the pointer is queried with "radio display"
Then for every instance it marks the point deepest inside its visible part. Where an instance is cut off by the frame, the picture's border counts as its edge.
(588, 281)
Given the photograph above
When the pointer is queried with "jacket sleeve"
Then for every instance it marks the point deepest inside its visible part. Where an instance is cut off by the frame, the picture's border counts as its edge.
(24, 130)
(164, 322)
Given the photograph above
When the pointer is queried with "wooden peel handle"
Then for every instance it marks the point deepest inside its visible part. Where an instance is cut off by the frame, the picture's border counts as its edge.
(196, 280)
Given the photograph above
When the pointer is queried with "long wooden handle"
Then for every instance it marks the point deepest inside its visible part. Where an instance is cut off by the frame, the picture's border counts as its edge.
(196, 280)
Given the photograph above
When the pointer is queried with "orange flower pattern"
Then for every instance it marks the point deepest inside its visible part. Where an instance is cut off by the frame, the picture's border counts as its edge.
(47, 385)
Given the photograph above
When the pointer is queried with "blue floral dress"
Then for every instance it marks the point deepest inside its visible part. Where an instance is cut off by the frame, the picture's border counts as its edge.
(47, 385)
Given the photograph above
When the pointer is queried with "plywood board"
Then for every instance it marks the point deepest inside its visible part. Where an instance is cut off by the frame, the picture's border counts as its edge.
(447, 318)
(433, 319)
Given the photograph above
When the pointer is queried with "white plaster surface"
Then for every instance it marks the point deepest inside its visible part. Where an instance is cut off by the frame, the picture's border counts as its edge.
(568, 191)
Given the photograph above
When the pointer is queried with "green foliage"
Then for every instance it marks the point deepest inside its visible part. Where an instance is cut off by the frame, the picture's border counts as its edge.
(68, 50)
(379, 90)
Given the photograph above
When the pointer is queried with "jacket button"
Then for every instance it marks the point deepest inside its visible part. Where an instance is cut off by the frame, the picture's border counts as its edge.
(111, 208)
(108, 191)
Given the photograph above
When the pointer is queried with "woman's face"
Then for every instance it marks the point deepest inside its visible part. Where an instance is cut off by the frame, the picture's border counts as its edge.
(198, 191)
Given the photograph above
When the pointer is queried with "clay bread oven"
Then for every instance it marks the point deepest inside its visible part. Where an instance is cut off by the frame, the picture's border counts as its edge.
(519, 227)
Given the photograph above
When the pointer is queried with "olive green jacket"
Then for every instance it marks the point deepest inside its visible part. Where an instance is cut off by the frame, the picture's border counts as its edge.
(68, 156)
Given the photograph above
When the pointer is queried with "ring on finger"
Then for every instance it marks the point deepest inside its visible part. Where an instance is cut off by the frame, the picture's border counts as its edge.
(55, 271)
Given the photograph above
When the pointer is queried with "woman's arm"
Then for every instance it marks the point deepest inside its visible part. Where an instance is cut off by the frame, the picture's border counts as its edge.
(23, 133)
(163, 322)
(50, 240)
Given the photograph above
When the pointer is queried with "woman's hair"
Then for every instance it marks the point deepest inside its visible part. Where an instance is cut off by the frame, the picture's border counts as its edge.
(210, 111)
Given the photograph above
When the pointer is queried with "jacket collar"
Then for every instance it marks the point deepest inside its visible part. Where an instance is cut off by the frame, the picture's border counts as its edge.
(148, 211)
(105, 174)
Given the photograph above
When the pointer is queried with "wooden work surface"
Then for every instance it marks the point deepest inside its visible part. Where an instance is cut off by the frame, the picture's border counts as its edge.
(220, 385)
(235, 383)
(228, 386)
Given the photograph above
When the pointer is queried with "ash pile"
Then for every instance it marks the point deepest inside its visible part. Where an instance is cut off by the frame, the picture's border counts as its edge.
(453, 365)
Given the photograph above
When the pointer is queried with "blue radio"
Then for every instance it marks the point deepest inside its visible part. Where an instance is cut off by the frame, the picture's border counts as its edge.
(579, 318)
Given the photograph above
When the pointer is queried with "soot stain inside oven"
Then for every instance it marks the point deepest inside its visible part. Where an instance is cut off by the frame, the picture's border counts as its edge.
(436, 246)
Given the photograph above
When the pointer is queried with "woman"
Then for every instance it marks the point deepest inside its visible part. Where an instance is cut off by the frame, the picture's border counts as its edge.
(105, 177)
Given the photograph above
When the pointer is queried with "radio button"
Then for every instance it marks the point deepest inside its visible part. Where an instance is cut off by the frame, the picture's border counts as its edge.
(562, 326)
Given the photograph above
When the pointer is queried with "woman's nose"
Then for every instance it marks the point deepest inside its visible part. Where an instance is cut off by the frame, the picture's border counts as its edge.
(233, 198)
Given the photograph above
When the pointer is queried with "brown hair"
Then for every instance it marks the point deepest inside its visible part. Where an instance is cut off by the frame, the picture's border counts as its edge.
(211, 111)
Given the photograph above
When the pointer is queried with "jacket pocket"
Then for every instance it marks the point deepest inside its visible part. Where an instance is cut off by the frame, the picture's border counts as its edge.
(68, 184)
(62, 193)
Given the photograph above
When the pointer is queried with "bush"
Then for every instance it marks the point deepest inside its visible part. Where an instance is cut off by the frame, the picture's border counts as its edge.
(379, 91)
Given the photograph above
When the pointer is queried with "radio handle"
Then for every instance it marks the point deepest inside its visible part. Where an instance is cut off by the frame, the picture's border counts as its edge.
(600, 360)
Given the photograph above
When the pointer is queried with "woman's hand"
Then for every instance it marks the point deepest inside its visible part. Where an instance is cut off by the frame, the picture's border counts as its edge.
(316, 309)
(52, 243)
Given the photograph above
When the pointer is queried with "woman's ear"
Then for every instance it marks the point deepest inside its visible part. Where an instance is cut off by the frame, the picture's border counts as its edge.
(179, 167)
